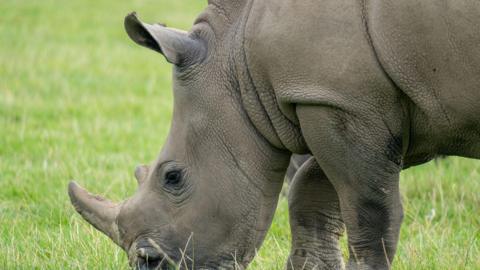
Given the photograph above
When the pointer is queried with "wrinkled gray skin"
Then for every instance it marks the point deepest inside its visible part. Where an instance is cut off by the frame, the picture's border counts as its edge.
(368, 87)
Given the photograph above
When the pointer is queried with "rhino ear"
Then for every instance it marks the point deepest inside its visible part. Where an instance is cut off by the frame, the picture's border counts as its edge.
(176, 45)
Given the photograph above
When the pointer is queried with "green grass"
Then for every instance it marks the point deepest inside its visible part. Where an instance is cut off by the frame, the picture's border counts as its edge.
(79, 100)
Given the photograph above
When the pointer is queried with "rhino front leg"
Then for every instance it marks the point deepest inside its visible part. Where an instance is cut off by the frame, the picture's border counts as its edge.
(361, 155)
(315, 220)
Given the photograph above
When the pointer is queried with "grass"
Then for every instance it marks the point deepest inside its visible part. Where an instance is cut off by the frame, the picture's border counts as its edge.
(79, 100)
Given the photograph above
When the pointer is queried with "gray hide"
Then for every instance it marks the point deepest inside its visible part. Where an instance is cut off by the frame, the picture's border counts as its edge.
(368, 87)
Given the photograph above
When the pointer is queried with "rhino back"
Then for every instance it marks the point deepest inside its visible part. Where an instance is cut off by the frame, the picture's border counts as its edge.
(431, 50)
(317, 43)
(375, 58)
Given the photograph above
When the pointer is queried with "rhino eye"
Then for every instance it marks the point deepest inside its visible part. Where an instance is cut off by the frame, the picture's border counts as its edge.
(173, 178)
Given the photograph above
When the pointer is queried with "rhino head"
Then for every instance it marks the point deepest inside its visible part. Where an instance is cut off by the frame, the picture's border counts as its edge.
(208, 199)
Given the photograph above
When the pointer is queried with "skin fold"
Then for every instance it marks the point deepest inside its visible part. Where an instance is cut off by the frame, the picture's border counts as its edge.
(368, 87)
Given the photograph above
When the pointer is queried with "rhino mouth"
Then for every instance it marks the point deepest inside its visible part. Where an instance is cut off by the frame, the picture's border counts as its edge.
(149, 259)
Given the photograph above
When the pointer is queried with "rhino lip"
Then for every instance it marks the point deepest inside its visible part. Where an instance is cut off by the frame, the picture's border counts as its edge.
(147, 259)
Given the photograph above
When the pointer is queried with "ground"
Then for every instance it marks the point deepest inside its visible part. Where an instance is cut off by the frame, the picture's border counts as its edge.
(78, 100)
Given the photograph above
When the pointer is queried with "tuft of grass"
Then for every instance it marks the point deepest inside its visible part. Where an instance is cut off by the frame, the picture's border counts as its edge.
(79, 100)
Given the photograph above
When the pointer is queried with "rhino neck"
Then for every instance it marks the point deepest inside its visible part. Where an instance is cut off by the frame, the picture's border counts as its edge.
(257, 94)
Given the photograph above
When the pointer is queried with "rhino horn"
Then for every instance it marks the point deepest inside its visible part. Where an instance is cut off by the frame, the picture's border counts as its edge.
(176, 45)
(98, 211)
(141, 173)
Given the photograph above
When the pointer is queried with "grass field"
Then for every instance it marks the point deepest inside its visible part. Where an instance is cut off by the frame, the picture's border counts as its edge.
(78, 100)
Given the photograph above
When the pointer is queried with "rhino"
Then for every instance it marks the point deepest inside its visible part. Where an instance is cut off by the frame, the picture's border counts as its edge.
(367, 87)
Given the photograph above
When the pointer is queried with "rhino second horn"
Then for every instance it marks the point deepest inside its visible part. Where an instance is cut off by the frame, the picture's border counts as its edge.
(141, 173)
(98, 211)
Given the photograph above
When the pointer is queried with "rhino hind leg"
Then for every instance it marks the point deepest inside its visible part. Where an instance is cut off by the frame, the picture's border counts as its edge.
(315, 220)
(362, 159)
(296, 161)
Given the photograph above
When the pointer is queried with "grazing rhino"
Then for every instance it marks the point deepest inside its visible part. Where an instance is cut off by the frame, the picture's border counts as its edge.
(369, 87)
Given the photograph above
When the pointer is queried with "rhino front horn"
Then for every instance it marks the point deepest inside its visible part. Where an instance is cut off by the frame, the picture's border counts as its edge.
(98, 211)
